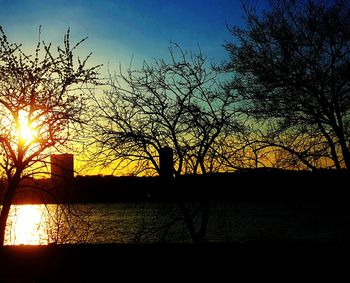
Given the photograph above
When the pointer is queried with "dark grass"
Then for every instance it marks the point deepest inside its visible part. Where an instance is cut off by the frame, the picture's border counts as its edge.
(212, 262)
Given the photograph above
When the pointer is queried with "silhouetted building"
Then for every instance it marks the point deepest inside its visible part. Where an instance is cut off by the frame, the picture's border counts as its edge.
(166, 163)
(62, 168)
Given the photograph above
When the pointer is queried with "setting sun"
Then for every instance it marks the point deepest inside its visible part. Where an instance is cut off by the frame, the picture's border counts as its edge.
(25, 131)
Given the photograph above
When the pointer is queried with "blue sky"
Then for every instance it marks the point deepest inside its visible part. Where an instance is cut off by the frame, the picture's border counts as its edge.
(117, 30)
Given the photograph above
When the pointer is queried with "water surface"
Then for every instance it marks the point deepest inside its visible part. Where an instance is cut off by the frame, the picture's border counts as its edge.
(162, 222)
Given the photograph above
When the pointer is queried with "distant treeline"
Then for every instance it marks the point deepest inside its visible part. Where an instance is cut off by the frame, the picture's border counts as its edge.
(250, 184)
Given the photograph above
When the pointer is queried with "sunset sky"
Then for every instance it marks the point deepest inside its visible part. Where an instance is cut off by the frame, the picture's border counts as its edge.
(118, 30)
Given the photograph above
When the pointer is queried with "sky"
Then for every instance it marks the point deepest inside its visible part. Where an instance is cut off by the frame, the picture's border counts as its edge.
(119, 30)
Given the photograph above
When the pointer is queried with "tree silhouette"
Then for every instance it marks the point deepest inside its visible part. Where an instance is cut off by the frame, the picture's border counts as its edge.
(178, 104)
(291, 65)
(41, 102)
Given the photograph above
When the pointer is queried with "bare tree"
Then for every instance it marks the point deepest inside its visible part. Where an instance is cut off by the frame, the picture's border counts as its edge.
(291, 64)
(178, 104)
(41, 102)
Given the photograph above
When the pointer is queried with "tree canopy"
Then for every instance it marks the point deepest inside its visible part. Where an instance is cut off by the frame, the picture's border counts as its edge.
(291, 65)
(178, 103)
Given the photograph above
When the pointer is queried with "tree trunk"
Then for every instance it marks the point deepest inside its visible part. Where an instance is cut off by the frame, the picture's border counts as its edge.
(3, 220)
(346, 153)
(189, 223)
(334, 155)
(344, 148)
(331, 146)
(204, 223)
(204, 170)
(198, 237)
(7, 202)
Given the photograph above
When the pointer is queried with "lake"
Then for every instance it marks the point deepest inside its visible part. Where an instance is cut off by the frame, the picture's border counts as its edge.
(144, 222)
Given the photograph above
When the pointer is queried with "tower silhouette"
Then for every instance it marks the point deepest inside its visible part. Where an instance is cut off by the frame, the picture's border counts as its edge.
(62, 168)
(166, 163)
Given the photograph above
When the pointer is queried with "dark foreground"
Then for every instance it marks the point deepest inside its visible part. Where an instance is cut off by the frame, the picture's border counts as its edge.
(174, 262)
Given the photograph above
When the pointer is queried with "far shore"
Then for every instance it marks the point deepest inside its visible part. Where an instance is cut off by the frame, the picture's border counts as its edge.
(249, 184)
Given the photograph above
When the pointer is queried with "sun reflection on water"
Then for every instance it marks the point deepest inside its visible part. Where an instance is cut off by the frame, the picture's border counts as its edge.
(26, 226)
